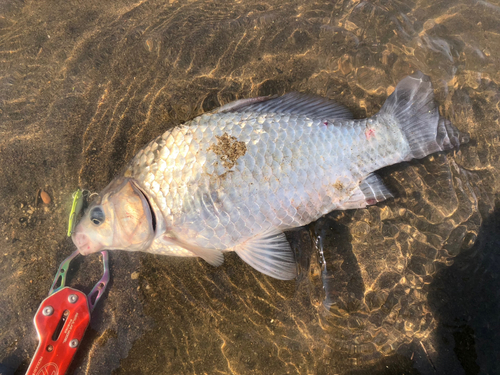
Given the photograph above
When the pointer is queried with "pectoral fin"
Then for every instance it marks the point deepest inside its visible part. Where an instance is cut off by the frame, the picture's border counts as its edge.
(211, 256)
(269, 253)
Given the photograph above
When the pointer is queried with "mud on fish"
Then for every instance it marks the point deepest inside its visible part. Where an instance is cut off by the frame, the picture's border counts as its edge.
(236, 178)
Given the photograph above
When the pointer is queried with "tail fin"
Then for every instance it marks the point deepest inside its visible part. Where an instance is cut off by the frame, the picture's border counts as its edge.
(413, 108)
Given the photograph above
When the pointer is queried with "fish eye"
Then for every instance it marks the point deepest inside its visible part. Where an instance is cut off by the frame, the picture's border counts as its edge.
(97, 215)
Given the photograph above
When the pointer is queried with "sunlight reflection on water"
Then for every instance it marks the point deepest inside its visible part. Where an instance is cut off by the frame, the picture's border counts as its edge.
(84, 87)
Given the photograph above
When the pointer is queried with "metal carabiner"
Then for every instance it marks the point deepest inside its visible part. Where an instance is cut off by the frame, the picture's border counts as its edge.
(99, 288)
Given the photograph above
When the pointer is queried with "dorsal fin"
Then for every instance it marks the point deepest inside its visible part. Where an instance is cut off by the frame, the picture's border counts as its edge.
(294, 103)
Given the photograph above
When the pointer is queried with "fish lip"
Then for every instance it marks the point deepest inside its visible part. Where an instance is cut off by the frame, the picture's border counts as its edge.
(82, 243)
(83, 252)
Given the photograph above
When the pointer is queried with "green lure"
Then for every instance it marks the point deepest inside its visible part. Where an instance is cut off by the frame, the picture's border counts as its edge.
(75, 210)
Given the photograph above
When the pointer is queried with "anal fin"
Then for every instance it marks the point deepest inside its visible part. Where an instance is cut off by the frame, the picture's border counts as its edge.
(370, 191)
(374, 189)
(270, 253)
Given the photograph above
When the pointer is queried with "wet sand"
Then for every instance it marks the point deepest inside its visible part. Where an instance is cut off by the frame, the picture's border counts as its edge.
(409, 285)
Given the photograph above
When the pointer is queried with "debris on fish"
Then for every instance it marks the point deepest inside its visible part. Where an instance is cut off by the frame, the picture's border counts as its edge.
(236, 178)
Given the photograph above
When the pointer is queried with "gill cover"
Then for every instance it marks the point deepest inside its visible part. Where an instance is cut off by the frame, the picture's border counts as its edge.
(121, 220)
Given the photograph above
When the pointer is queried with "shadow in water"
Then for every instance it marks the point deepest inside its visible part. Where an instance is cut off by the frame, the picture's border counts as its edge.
(340, 268)
(465, 301)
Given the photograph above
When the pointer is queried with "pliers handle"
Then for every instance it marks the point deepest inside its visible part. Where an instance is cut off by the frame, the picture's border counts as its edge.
(62, 319)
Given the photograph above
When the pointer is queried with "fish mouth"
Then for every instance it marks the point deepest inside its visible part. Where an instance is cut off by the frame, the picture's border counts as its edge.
(84, 245)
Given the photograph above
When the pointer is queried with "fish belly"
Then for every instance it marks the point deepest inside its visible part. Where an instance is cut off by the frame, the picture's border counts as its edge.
(223, 178)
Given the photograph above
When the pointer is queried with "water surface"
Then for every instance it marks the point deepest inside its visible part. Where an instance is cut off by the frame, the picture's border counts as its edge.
(410, 285)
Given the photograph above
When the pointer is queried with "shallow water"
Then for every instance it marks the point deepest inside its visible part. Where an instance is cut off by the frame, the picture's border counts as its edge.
(410, 285)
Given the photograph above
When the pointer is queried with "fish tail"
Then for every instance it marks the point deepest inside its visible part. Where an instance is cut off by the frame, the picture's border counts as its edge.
(413, 108)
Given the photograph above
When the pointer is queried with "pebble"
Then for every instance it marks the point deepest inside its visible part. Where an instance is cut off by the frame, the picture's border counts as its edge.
(45, 197)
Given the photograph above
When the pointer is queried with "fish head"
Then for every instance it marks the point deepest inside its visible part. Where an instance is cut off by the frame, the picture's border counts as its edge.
(121, 219)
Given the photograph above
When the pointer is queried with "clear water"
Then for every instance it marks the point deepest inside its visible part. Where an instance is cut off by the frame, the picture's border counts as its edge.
(408, 286)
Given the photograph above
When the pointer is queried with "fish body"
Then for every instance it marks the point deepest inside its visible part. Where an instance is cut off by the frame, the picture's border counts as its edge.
(236, 178)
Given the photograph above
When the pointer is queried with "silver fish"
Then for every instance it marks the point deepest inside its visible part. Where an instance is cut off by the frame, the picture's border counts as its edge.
(236, 178)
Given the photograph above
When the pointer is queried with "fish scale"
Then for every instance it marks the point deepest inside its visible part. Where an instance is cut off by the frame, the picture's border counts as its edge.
(263, 174)
(234, 179)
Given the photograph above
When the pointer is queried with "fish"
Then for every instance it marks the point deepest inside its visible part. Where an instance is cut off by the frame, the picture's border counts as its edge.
(235, 179)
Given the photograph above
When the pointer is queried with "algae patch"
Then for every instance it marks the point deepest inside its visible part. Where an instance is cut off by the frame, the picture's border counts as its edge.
(229, 149)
